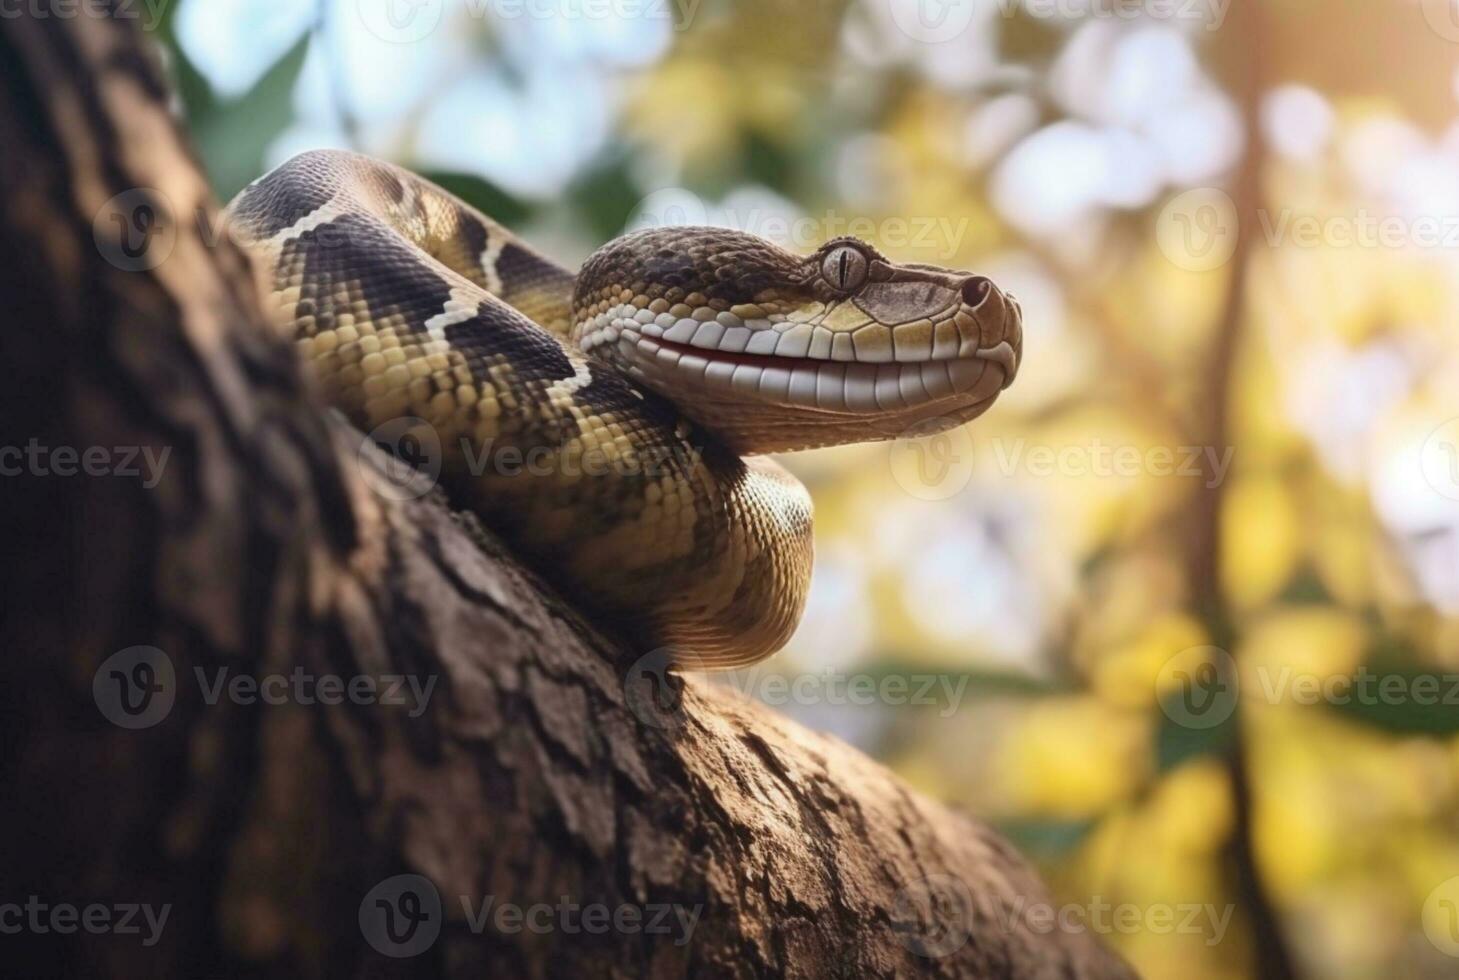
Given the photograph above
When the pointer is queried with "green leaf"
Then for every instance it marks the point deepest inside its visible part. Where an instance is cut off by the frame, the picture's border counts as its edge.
(1176, 744)
(197, 97)
(233, 136)
(1046, 838)
(605, 196)
(1402, 702)
(767, 162)
(971, 683)
(1305, 588)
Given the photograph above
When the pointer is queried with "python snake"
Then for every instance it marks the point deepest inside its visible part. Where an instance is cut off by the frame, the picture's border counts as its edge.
(643, 390)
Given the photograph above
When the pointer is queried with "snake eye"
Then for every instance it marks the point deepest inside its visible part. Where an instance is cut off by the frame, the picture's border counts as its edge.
(844, 268)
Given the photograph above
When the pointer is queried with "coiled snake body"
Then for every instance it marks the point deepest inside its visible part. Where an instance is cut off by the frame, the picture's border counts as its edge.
(608, 425)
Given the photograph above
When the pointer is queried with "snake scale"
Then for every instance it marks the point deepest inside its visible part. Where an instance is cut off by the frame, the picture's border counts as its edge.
(610, 425)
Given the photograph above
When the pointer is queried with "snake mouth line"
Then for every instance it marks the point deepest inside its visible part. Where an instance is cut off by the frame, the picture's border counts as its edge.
(841, 386)
(1001, 354)
(727, 356)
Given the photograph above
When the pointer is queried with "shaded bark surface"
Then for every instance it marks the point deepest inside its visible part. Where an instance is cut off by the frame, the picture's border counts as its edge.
(547, 766)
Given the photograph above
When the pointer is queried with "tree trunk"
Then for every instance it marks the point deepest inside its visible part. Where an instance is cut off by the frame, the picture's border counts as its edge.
(183, 520)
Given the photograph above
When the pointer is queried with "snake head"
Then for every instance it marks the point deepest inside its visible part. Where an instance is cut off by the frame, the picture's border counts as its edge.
(775, 351)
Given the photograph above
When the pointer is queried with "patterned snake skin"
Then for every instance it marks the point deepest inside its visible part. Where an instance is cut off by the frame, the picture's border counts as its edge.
(608, 424)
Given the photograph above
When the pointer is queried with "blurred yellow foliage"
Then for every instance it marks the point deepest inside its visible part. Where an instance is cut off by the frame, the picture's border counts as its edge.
(1261, 539)
(1127, 675)
(1298, 648)
(1050, 765)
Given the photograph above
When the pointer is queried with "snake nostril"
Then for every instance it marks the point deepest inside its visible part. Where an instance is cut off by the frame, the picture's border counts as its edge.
(976, 289)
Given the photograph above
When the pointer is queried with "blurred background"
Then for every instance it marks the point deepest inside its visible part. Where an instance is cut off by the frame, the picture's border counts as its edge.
(1180, 615)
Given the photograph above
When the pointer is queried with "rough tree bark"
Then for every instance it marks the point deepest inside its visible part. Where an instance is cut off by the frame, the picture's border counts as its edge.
(271, 544)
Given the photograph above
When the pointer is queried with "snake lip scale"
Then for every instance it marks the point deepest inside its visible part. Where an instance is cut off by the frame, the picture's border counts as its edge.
(702, 349)
(960, 374)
